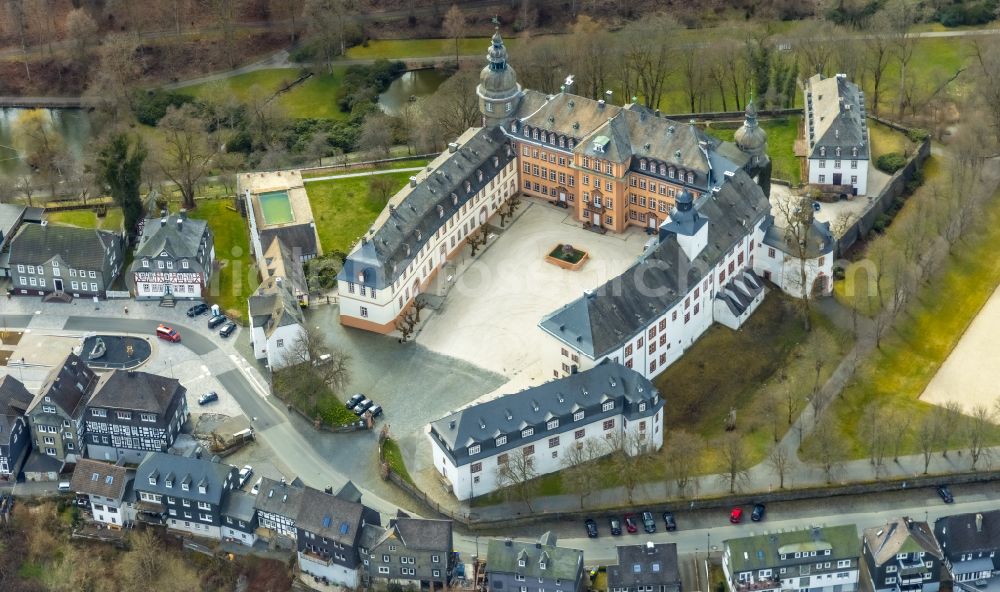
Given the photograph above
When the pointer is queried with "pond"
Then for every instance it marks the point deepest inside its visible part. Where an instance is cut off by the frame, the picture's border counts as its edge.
(409, 87)
(73, 125)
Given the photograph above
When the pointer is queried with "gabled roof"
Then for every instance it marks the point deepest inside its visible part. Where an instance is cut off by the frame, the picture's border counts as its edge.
(182, 469)
(136, 391)
(281, 499)
(239, 505)
(67, 386)
(80, 248)
(965, 533)
(296, 236)
(418, 534)
(163, 234)
(819, 239)
(280, 260)
(764, 551)
(561, 563)
(10, 216)
(14, 402)
(94, 477)
(900, 535)
(329, 516)
(273, 305)
(566, 114)
(836, 118)
(644, 565)
(605, 318)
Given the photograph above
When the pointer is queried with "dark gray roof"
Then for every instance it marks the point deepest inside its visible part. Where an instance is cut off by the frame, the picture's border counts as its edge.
(183, 469)
(644, 565)
(10, 216)
(179, 243)
(80, 248)
(41, 463)
(95, 477)
(836, 118)
(35, 215)
(330, 516)
(900, 535)
(960, 533)
(300, 236)
(561, 563)
(67, 386)
(14, 402)
(136, 391)
(275, 498)
(819, 239)
(273, 305)
(423, 534)
(239, 505)
(349, 493)
(605, 318)
(379, 259)
(560, 398)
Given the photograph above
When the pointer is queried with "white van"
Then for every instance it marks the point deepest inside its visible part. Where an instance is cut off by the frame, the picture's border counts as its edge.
(64, 486)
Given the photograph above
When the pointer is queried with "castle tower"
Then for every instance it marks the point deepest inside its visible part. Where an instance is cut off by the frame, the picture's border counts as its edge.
(498, 89)
(750, 138)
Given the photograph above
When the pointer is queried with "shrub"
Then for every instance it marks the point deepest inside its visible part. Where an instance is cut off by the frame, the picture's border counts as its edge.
(891, 162)
(151, 105)
(918, 134)
(881, 223)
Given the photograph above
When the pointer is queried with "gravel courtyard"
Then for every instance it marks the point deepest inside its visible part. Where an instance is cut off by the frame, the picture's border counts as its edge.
(490, 317)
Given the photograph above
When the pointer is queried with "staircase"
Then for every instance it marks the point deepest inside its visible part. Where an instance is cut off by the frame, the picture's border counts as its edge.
(167, 301)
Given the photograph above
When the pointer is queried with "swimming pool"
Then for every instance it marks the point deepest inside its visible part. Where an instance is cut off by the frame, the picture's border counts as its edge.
(275, 207)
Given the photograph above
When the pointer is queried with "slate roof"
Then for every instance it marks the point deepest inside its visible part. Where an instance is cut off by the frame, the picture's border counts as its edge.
(900, 535)
(819, 239)
(958, 533)
(509, 414)
(275, 498)
(837, 117)
(414, 215)
(180, 469)
(349, 492)
(420, 534)
(644, 565)
(284, 261)
(14, 402)
(273, 305)
(239, 505)
(68, 386)
(41, 463)
(182, 243)
(605, 318)
(300, 236)
(565, 114)
(561, 563)
(80, 248)
(95, 477)
(329, 516)
(10, 216)
(136, 391)
(764, 551)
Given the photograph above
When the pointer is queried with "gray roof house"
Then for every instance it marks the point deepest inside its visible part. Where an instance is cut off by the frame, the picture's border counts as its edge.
(11, 216)
(276, 322)
(970, 543)
(174, 257)
(645, 568)
(57, 411)
(329, 534)
(64, 260)
(902, 556)
(409, 550)
(836, 118)
(105, 486)
(239, 518)
(554, 568)
(278, 505)
(15, 434)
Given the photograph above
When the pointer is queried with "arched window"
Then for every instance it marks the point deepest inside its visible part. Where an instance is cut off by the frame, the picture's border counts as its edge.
(562, 141)
(527, 132)
(663, 169)
(536, 134)
(418, 234)
(468, 189)
(479, 174)
(454, 199)
(690, 177)
(838, 150)
(673, 172)
(822, 150)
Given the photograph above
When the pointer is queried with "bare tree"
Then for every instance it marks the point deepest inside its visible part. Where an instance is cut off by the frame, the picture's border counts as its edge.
(800, 239)
(780, 460)
(453, 108)
(18, 15)
(591, 51)
(82, 29)
(186, 155)
(900, 15)
(477, 239)
(928, 436)
(332, 364)
(454, 26)
(876, 435)
(977, 433)
(326, 22)
(900, 421)
(629, 453)
(380, 189)
(41, 146)
(827, 446)
(115, 76)
(579, 473)
(684, 456)
(734, 464)
(951, 415)
(648, 59)
(516, 473)
(878, 53)
(376, 135)
(26, 185)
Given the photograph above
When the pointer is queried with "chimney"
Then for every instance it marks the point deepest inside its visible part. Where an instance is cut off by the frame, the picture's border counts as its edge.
(979, 523)
(413, 181)
(452, 147)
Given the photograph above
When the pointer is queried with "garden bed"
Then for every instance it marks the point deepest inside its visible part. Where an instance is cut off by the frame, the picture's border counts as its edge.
(567, 257)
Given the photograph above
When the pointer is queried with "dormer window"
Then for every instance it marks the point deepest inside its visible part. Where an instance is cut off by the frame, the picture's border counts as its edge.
(642, 407)
(468, 188)
(185, 487)
(690, 177)
(527, 132)
(562, 142)
(440, 211)
(854, 151)
(536, 134)
(168, 483)
(822, 150)
(672, 172)
(474, 449)
(541, 565)
(520, 562)
(838, 150)
(608, 406)
(642, 164)
(663, 169)
(479, 174)
(526, 432)
(202, 489)
(552, 424)
(501, 440)
(578, 416)
(152, 479)
(454, 197)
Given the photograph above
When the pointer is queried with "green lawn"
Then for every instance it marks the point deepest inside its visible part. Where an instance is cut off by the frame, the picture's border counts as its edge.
(781, 134)
(420, 48)
(236, 279)
(394, 457)
(399, 164)
(885, 140)
(315, 97)
(88, 219)
(343, 210)
(897, 374)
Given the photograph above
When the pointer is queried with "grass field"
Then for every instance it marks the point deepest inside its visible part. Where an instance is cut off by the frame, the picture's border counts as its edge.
(781, 134)
(343, 210)
(315, 97)
(394, 457)
(88, 219)
(898, 373)
(236, 279)
(399, 164)
(421, 48)
(885, 140)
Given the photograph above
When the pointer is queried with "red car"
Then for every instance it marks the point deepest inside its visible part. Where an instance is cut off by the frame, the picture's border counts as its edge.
(630, 524)
(736, 515)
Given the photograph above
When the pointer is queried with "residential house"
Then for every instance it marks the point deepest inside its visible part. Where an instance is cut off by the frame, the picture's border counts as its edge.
(239, 518)
(540, 566)
(106, 486)
(283, 261)
(277, 324)
(11, 216)
(902, 556)
(836, 131)
(15, 434)
(56, 414)
(64, 260)
(132, 413)
(971, 543)
(803, 267)
(645, 568)
(184, 493)
(410, 551)
(542, 423)
(174, 258)
(278, 504)
(820, 559)
(329, 532)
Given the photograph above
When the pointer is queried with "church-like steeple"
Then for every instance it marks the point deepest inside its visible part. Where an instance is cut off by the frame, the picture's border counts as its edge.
(498, 89)
(751, 138)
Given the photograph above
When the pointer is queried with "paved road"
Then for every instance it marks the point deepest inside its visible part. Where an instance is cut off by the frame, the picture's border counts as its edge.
(193, 340)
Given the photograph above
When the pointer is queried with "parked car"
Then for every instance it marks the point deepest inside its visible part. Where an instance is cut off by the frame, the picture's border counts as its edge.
(168, 333)
(736, 515)
(354, 400)
(816, 206)
(648, 522)
(591, 528)
(630, 524)
(208, 398)
(363, 406)
(245, 473)
(669, 522)
(198, 309)
(616, 526)
(375, 410)
(758, 512)
(945, 494)
(227, 329)
(256, 486)
(216, 321)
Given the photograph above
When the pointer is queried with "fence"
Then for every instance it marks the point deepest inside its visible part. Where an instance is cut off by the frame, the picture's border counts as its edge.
(724, 115)
(364, 164)
(78, 204)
